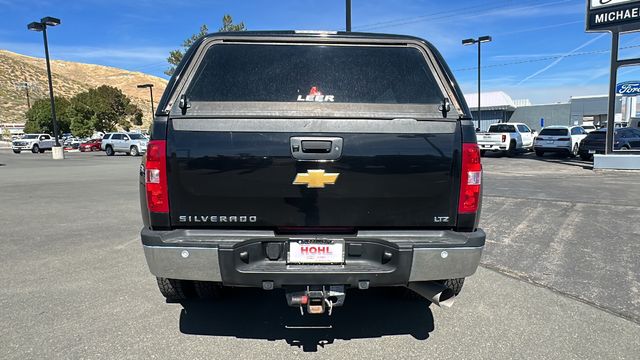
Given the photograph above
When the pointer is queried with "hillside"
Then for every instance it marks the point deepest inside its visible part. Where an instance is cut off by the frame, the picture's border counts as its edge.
(69, 78)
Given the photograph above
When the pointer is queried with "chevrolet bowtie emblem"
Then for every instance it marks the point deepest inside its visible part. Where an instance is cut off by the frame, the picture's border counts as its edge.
(315, 179)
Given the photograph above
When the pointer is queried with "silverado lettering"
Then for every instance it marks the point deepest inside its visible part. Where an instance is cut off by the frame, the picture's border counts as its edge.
(217, 218)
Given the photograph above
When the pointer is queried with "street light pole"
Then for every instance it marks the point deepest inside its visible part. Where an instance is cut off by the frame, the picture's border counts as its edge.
(478, 41)
(53, 103)
(42, 25)
(479, 85)
(150, 86)
(151, 94)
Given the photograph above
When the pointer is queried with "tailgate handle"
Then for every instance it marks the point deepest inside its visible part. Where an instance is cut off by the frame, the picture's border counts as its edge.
(316, 148)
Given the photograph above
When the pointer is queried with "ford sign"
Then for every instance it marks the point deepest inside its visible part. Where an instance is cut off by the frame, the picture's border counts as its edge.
(629, 88)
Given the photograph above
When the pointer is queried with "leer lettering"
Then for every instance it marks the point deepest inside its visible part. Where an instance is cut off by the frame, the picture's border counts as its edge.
(316, 98)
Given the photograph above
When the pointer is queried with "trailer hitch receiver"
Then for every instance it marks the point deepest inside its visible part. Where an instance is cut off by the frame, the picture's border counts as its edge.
(316, 299)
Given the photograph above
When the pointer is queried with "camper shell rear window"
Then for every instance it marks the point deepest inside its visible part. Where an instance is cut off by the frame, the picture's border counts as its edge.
(314, 73)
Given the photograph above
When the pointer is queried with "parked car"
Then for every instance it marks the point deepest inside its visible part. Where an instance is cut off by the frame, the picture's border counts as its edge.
(509, 138)
(36, 143)
(91, 145)
(589, 126)
(133, 144)
(594, 143)
(559, 139)
(318, 205)
(72, 143)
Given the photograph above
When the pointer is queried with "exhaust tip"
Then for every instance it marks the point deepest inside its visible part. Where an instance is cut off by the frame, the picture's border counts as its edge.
(444, 299)
(434, 292)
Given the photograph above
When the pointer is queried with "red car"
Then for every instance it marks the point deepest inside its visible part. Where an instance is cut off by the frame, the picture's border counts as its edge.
(91, 145)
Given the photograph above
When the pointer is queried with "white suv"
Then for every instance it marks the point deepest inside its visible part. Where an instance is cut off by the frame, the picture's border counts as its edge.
(130, 143)
(562, 139)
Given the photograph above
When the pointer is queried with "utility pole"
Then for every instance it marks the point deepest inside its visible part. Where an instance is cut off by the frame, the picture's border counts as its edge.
(25, 86)
(348, 13)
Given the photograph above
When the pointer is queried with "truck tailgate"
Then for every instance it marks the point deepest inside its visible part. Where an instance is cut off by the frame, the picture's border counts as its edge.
(490, 139)
(403, 177)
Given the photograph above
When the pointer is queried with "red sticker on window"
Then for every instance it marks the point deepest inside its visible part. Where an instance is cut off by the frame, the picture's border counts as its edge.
(314, 91)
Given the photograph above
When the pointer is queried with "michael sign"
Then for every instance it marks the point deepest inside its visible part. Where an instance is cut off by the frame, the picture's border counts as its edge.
(613, 15)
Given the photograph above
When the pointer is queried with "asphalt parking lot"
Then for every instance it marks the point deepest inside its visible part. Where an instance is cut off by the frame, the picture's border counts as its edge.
(560, 276)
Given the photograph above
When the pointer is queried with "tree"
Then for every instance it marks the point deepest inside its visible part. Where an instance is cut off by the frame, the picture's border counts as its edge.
(82, 119)
(228, 25)
(102, 109)
(175, 56)
(136, 114)
(39, 118)
(6, 134)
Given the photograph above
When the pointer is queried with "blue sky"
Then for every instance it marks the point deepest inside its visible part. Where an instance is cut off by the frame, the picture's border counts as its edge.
(539, 50)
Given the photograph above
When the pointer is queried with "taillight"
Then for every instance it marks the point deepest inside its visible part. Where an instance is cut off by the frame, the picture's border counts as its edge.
(504, 138)
(156, 177)
(471, 179)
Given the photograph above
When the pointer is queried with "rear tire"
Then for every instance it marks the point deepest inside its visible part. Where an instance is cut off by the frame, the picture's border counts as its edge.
(208, 290)
(134, 151)
(483, 152)
(455, 285)
(172, 289)
(574, 152)
(109, 151)
(511, 151)
(16, 151)
(35, 149)
(539, 153)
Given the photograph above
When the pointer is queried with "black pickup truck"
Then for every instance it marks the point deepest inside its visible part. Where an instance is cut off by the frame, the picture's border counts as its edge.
(312, 162)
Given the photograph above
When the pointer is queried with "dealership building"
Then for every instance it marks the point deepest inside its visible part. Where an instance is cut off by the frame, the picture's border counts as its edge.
(498, 106)
(11, 128)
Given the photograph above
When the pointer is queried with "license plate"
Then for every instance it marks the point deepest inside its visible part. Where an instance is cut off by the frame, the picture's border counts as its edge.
(549, 141)
(316, 252)
(487, 136)
(592, 151)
